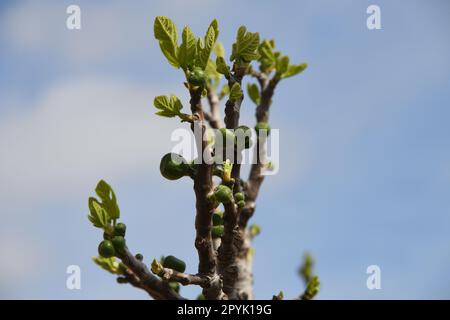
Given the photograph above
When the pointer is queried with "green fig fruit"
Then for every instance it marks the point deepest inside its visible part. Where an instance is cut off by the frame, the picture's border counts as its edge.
(223, 194)
(201, 297)
(120, 229)
(122, 280)
(175, 286)
(197, 77)
(243, 133)
(106, 249)
(239, 196)
(118, 243)
(174, 263)
(217, 218)
(173, 166)
(262, 127)
(106, 236)
(217, 231)
(139, 256)
(226, 137)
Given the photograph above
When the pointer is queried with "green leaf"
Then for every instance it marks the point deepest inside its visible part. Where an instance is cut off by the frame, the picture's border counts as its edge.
(215, 25)
(253, 93)
(306, 270)
(279, 296)
(187, 51)
(311, 289)
(212, 74)
(219, 51)
(235, 92)
(225, 91)
(222, 66)
(165, 29)
(156, 267)
(103, 190)
(109, 264)
(199, 48)
(244, 49)
(282, 65)
(272, 43)
(170, 52)
(210, 40)
(166, 33)
(254, 230)
(169, 106)
(266, 56)
(97, 214)
(293, 70)
(108, 197)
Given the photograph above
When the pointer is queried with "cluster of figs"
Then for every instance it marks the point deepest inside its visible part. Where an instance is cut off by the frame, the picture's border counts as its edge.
(114, 243)
(173, 166)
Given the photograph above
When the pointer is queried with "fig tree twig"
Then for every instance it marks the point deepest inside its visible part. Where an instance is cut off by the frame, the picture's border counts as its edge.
(256, 177)
(232, 112)
(229, 249)
(251, 190)
(203, 186)
(231, 239)
(156, 288)
(184, 278)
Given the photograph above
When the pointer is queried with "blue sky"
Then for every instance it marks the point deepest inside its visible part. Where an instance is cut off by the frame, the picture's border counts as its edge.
(365, 154)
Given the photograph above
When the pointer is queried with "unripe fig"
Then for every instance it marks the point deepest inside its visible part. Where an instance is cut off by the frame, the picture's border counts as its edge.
(223, 194)
(226, 137)
(175, 286)
(118, 243)
(197, 77)
(120, 229)
(241, 204)
(122, 280)
(244, 132)
(261, 127)
(173, 166)
(106, 249)
(122, 267)
(217, 231)
(239, 196)
(139, 256)
(174, 263)
(217, 218)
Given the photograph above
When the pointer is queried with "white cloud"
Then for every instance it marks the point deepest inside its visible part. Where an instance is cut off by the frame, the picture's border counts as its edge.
(77, 133)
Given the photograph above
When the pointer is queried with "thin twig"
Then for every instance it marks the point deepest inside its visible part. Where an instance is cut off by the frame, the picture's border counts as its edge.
(256, 177)
(147, 281)
(184, 278)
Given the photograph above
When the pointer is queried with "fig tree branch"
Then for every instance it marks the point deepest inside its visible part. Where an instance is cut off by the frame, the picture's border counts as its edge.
(203, 186)
(232, 112)
(213, 117)
(183, 278)
(222, 239)
(256, 177)
(156, 288)
(228, 249)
